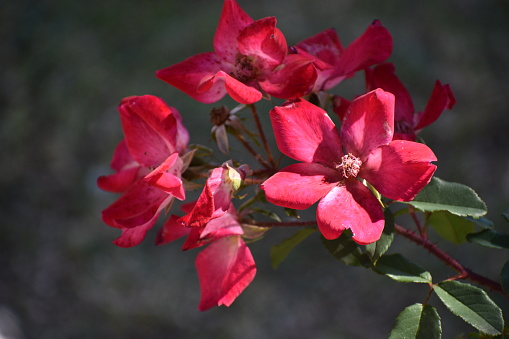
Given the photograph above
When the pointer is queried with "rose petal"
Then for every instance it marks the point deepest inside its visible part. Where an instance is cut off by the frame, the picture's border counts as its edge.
(136, 206)
(118, 182)
(264, 41)
(225, 268)
(150, 129)
(441, 98)
(351, 206)
(383, 76)
(232, 21)
(166, 177)
(171, 230)
(372, 47)
(368, 123)
(306, 133)
(300, 185)
(239, 92)
(294, 78)
(187, 76)
(399, 170)
(134, 236)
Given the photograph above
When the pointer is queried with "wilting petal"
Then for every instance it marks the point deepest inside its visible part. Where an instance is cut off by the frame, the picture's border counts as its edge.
(232, 21)
(383, 76)
(190, 73)
(150, 129)
(372, 47)
(306, 133)
(225, 268)
(166, 177)
(441, 98)
(264, 41)
(351, 206)
(294, 78)
(369, 123)
(399, 170)
(239, 92)
(300, 185)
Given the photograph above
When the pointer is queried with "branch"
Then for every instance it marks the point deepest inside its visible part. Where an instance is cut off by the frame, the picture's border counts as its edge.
(464, 273)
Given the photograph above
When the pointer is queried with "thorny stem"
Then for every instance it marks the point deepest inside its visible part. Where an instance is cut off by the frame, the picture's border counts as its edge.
(250, 149)
(262, 135)
(416, 220)
(464, 273)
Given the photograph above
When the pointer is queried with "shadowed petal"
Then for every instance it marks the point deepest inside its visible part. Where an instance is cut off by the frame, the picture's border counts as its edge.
(136, 206)
(306, 133)
(189, 74)
(441, 98)
(300, 185)
(171, 230)
(372, 47)
(294, 78)
(134, 236)
(383, 76)
(368, 123)
(399, 170)
(351, 206)
(239, 92)
(225, 268)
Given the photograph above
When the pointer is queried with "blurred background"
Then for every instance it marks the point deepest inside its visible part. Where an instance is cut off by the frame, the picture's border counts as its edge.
(65, 65)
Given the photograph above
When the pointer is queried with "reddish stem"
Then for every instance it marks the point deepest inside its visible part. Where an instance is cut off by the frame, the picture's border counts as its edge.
(270, 158)
(464, 273)
(284, 223)
(250, 149)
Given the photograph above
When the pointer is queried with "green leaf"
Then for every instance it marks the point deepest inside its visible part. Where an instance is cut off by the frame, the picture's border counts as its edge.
(482, 221)
(397, 267)
(279, 252)
(506, 214)
(504, 277)
(291, 212)
(440, 195)
(378, 248)
(490, 238)
(417, 321)
(346, 250)
(451, 227)
(471, 304)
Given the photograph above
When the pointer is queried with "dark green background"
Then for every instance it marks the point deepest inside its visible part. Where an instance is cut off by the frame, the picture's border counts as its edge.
(65, 65)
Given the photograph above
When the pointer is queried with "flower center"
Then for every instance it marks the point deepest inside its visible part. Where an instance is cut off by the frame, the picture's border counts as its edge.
(349, 166)
(244, 69)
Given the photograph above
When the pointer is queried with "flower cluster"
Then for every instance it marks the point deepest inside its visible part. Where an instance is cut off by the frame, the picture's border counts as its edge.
(352, 172)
